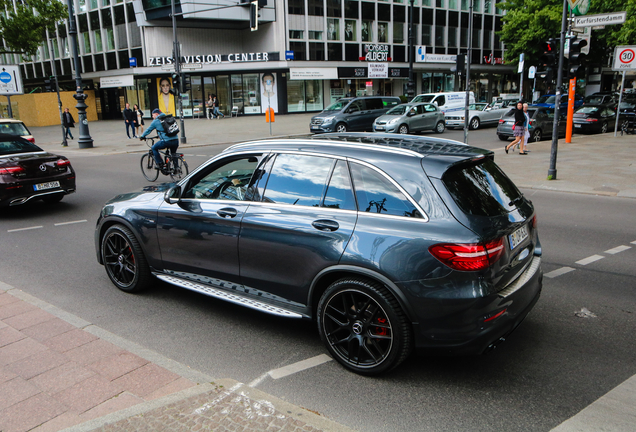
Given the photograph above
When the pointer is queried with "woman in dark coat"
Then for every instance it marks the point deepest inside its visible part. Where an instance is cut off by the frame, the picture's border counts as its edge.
(518, 129)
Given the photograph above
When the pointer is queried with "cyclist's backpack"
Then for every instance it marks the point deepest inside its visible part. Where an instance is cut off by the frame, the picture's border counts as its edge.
(170, 125)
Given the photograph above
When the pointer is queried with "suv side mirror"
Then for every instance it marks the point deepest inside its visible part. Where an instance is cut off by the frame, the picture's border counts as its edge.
(173, 195)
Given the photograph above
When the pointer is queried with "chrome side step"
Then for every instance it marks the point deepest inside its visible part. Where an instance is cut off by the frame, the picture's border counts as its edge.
(228, 296)
(521, 280)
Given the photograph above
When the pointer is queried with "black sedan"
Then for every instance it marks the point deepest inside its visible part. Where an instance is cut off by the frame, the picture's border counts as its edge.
(27, 172)
(594, 118)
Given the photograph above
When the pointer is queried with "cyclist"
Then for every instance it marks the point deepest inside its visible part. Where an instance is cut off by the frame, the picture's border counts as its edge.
(165, 141)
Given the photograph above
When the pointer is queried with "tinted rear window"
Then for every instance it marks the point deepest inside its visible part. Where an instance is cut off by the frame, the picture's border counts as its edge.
(14, 147)
(481, 188)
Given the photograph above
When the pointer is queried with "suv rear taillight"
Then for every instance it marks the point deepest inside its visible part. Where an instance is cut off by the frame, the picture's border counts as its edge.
(501, 121)
(31, 140)
(468, 256)
(62, 162)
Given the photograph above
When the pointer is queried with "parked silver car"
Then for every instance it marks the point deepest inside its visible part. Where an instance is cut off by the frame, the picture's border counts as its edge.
(478, 113)
(541, 124)
(411, 117)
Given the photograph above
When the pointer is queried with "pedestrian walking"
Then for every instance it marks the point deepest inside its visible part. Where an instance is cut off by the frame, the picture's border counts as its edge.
(526, 136)
(130, 119)
(518, 129)
(210, 106)
(140, 119)
(68, 122)
(216, 111)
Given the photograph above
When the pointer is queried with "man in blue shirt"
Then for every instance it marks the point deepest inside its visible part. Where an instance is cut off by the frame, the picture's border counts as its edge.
(165, 141)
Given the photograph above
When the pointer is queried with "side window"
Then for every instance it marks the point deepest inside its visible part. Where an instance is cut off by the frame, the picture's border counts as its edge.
(549, 113)
(227, 180)
(376, 194)
(421, 109)
(298, 180)
(374, 103)
(355, 106)
(430, 108)
(441, 100)
(339, 193)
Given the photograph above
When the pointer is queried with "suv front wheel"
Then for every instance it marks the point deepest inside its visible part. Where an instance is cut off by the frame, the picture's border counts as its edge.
(363, 327)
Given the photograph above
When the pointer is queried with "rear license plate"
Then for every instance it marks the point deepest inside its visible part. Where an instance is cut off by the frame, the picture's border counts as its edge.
(518, 236)
(577, 125)
(43, 186)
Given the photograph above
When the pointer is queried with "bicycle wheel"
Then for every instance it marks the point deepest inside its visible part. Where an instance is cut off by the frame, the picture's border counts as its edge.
(180, 170)
(148, 168)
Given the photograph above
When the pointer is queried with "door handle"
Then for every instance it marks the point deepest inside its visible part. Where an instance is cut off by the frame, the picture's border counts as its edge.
(227, 212)
(325, 225)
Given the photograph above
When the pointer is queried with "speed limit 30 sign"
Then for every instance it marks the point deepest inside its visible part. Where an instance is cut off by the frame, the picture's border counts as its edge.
(624, 58)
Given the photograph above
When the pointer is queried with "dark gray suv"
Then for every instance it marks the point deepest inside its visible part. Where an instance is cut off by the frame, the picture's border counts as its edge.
(352, 114)
(389, 243)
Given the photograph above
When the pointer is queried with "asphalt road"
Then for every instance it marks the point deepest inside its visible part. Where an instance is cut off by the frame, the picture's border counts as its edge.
(553, 366)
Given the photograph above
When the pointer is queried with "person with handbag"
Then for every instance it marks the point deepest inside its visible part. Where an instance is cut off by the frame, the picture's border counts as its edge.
(518, 130)
(140, 119)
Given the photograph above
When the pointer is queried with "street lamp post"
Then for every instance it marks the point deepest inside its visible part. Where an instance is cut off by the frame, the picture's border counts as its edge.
(468, 58)
(410, 87)
(177, 69)
(85, 140)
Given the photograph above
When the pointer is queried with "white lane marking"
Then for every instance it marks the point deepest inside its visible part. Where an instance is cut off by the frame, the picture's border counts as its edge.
(202, 155)
(69, 223)
(617, 249)
(258, 380)
(24, 229)
(299, 366)
(590, 259)
(613, 411)
(634, 242)
(559, 272)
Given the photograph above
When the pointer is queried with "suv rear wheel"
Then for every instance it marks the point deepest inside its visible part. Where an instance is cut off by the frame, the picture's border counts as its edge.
(363, 327)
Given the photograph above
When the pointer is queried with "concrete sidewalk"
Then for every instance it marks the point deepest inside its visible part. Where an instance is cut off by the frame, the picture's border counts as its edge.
(59, 372)
(595, 164)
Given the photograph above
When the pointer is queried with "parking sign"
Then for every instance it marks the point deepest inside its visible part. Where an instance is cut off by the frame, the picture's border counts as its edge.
(624, 58)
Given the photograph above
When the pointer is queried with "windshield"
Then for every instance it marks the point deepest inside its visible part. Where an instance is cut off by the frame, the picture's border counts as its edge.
(17, 146)
(477, 107)
(338, 105)
(594, 99)
(14, 129)
(586, 110)
(546, 99)
(423, 98)
(398, 110)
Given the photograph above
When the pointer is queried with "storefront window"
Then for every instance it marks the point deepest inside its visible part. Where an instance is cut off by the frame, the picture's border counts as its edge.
(313, 95)
(237, 92)
(295, 96)
(251, 94)
(198, 102)
(143, 96)
(438, 82)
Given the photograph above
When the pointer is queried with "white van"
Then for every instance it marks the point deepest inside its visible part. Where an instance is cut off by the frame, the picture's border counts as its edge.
(446, 102)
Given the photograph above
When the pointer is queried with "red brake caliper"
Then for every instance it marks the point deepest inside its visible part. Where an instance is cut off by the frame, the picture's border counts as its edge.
(381, 331)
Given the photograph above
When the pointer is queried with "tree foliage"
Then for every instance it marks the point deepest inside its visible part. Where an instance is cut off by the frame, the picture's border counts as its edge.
(529, 23)
(23, 27)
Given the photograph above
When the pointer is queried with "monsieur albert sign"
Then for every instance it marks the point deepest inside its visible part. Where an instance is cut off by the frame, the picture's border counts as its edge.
(376, 53)
(216, 58)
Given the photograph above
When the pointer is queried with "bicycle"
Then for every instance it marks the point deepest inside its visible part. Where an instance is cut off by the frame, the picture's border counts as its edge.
(174, 165)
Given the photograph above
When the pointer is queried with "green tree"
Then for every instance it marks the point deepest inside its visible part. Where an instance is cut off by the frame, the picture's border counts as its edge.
(23, 27)
(529, 23)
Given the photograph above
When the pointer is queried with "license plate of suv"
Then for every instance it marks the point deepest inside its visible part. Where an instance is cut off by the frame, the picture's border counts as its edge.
(43, 186)
(518, 236)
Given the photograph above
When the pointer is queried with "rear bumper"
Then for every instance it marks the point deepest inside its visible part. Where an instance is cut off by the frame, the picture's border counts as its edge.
(13, 194)
(472, 329)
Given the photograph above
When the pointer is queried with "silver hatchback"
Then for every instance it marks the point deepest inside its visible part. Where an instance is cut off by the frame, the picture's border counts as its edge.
(411, 117)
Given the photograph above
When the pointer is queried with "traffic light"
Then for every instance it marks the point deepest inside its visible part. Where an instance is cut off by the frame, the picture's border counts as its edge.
(461, 63)
(576, 57)
(549, 57)
(187, 83)
(254, 15)
(176, 83)
(47, 85)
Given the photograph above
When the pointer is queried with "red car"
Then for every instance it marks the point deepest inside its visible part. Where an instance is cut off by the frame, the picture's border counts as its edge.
(27, 172)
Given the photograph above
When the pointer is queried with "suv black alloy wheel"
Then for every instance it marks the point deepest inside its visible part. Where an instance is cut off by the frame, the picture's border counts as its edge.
(124, 260)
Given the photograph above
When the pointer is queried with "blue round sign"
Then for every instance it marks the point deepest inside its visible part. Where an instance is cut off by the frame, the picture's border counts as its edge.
(5, 77)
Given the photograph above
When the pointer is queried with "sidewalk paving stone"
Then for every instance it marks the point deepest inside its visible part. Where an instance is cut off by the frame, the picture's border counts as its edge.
(28, 319)
(69, 340)
(49, 329)
(37, 364)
